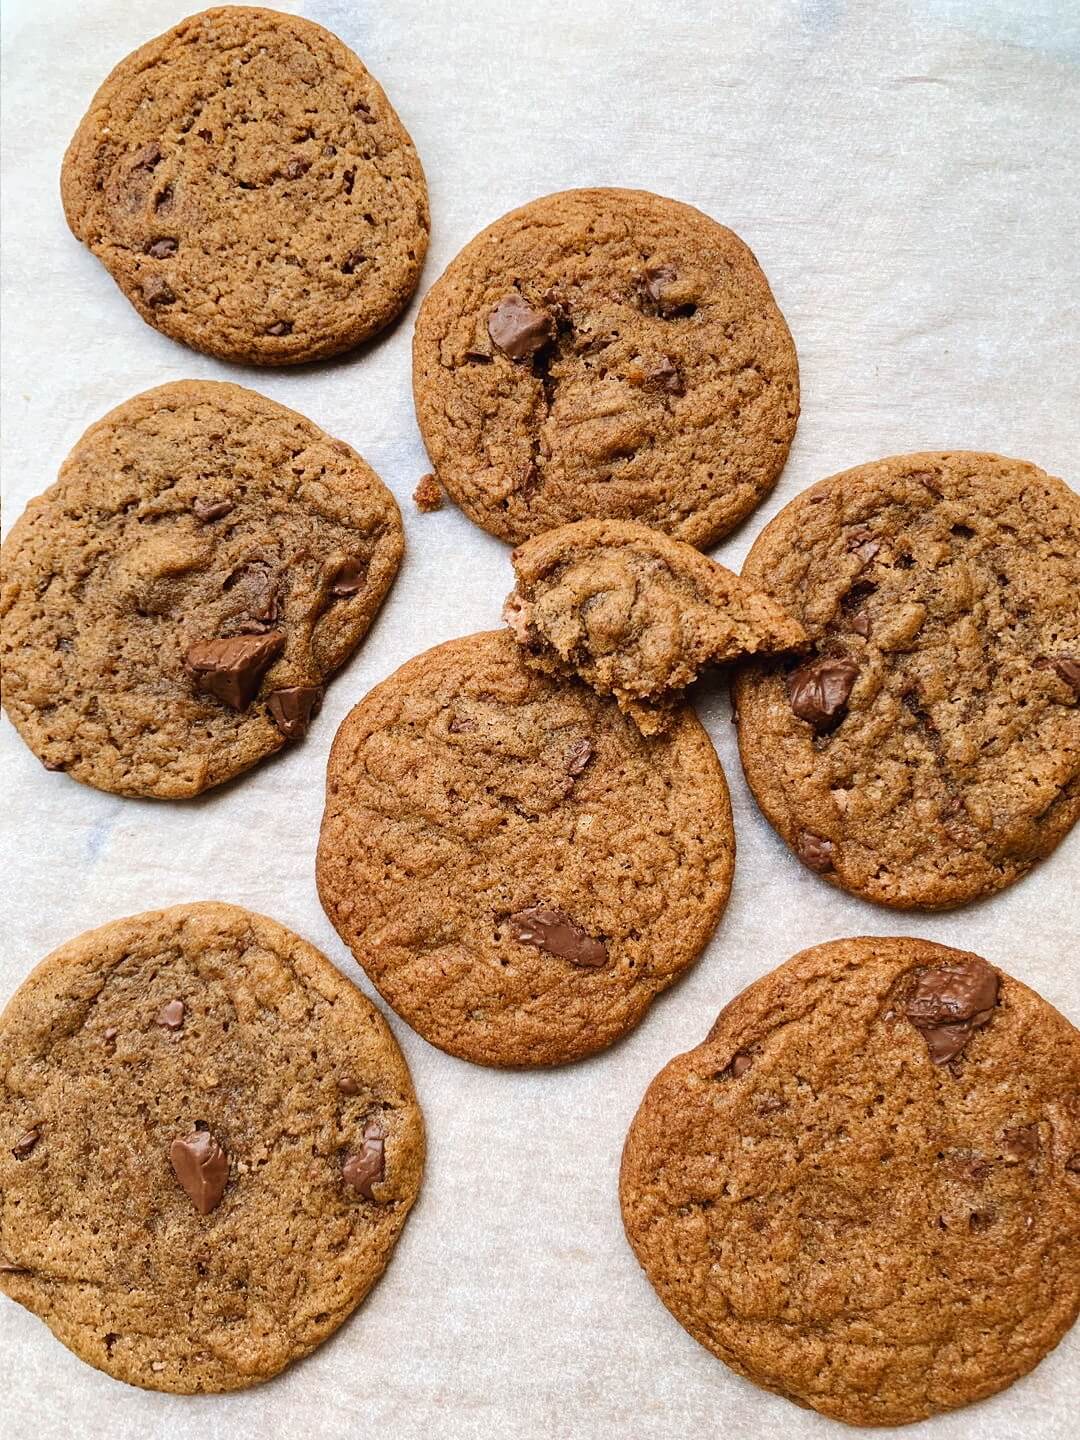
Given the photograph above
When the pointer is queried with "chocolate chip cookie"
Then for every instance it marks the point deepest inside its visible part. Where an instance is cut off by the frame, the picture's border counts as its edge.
(927, 751)
(211, 1144)
(517, 869)
(605, 353)
(863, 1190)
(636, 614)
(174, 605)
(249, 187)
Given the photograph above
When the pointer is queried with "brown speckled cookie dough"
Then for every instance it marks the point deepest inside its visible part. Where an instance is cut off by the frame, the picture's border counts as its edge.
(605, 353)
(636, 614)
(249, 187)
(863, 1190)
(211, 1143)
(516, 868)
(174, 605)
(927, 751)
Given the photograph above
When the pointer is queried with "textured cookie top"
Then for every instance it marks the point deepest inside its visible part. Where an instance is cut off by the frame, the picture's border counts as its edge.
(211, 1143)
(863, 1190)
(605, 353)
(516, 868)
(250, 189)
(928, 751)
(173, 605)
(636, 614)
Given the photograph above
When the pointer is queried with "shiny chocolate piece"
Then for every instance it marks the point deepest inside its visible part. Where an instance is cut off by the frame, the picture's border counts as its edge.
(202, 1168)
(347, 1085)
(292, 708)
(815, 851)
(366, 1167)
(818, 691)
(232, 669)
(518, 329)
(948, 1003)
(349, 579)
(25, 1143)
(556, 933)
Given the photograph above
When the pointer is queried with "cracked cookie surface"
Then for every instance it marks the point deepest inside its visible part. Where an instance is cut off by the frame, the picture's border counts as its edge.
(174, 605)
(516, 868)
(928, 752)
(250, 188)
(605, 353)
(187, 1093)
(636, 614)
(847, 1221)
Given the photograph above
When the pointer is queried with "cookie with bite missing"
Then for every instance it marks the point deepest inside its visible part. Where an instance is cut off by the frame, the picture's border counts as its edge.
(249, 187)
(518, 870)
(926, 750)
(605, 353)
(211, 1144)
(636, 614)
(175, 604)
(862, 1191)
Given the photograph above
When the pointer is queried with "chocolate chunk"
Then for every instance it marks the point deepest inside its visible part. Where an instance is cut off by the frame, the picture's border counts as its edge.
(207, 510)
(232, 669)
(815, 851)
(1072, 1164)
(23, 1146)
(147, 157)
(518, 329)
(860, 623)
(259, 588)
(427, 496)
(349, 579)
(740, 1063)
(347, 1085)
(280, 327)
(578, 756)
(819, 690)
(202, 1167)
(294, 168)
(1021, 1142)
(461, 725)
(162, 249)
(657, 281)
(109, 1035)
(367, 1166)
(1065, 665)
(665, 376)
(156, 291)
(291, 709)
(948, 1003)
(171, 1015)
(556, 933)
(863, 543)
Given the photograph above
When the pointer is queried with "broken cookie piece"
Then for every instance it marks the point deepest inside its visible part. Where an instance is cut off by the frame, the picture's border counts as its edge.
(636, 614)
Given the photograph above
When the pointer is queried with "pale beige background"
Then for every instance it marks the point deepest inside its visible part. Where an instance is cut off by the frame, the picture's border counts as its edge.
(908, 176)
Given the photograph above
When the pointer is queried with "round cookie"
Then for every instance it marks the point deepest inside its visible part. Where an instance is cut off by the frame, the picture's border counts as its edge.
(635, 614)
(927, 751)
(211, 1146)
(249, 187)
(517, 869)
(863, 1190)
(174, 604)
(605, 353)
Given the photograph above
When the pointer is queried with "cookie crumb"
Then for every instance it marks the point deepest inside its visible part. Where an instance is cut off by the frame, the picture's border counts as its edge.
(428, 495)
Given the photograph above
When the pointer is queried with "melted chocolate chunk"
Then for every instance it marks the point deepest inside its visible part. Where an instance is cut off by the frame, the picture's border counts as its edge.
(156, 291)
(518, 329)
(232, 669)
(171, 1015)
(292, 708)
(818, 691)
(348, 579)
(25, 1143)
(207, 510)
(202, 1168)
(367, 1166)
(815, 851)
(556, 933)
(740, 1063)
(347, 1085)
(948, 1003)
(1021, 1142)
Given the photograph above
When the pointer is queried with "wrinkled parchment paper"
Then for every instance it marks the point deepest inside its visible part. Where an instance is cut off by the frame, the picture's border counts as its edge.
(908, 175)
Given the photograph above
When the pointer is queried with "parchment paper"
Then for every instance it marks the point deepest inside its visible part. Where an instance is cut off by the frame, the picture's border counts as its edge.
(907, 175)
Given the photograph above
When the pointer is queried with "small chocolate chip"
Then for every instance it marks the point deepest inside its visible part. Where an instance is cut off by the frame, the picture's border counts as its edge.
(666, 376)
(814, 851)
(201, 1166)
(347, 1085)
(293, 707)
(171, 1015)
(556, 933)
(860, 623)
(163, 249)
(949, 1002)
(23, 1146)
(348, 579)
(156, 291)
(578, 756)
(280, 327)
(1066, 666)
(740, 1063)
(518, 328)
(657, 281)
(366, 1167)
(1021, 1142)
(329, 150)
(461, 725)
(109, 1035)
(208, 510)
(232, 669)
(294, 168)
(818, 691)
